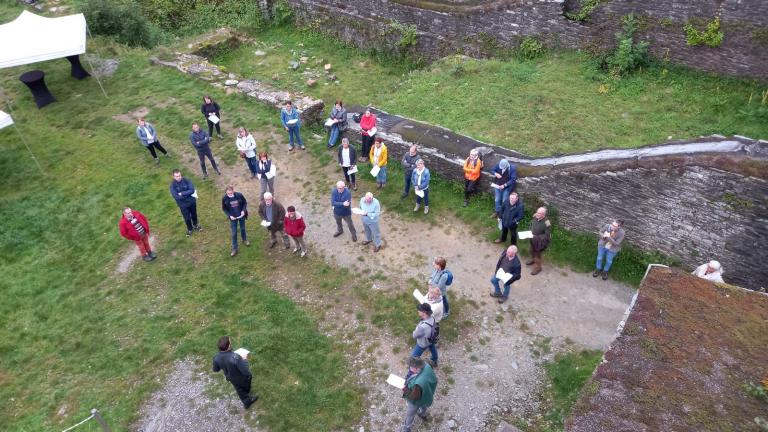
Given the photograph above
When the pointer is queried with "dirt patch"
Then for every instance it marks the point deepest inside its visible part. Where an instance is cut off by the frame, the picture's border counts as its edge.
(132, 116)
(131, 255)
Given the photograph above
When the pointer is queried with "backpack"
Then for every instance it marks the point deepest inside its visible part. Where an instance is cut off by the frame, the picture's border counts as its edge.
(434, 337)
(449, 278)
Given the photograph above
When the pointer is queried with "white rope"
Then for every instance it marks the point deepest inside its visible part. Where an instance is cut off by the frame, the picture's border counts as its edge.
(79, 424)
(95, 75)
(23, 140)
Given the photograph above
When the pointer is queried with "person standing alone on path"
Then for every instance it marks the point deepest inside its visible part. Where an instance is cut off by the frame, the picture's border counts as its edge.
(289, 117)
(246, 145)
(419, 391)
(235, 207)
(371, 212)
(341, 200)
(424, 333)
(211, 112)
(134, 226)
(273, 212)
(441, 278)
(608, 246)
(201, 141)
(294, 227)
(235, 370)
(508, 263)
(472, 167)
(183, 191)
(409, 164)
(148, 137)
(541, 229)
(512, 213)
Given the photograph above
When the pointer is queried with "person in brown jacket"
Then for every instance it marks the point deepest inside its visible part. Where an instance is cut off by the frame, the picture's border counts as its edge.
(272, 215)
(541, 229)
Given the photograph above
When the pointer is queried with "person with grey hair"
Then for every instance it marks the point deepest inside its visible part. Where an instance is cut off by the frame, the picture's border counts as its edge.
(608, 246)
(409, 163)
(272, 215)
(509, 263)
(419, 391)
(341, 198)
(504, 179)
(711, 271)
(541, 229)
(420, 180)
(371, 211)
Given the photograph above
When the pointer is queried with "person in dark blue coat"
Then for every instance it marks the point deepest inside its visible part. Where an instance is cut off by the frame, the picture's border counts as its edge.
(235, 207)
(183, 191)
(511, 214)
(341, 200)
(504, 181)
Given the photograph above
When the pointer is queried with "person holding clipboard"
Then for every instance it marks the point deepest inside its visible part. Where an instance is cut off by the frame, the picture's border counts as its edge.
(210, 110)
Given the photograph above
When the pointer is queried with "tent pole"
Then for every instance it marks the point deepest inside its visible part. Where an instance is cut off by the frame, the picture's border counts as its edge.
(95, 75)
(23, 140)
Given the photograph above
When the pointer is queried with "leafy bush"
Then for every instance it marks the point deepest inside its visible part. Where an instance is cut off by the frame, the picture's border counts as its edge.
(587, 6)
(628, 55)
(198, 16)
(121, 21)
(711, 36)
(530, 48)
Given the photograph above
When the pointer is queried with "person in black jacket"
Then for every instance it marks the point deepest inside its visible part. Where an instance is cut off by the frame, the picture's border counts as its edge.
(209, 108)
(509, 263)
(182, 190)
(235, 206)
(347, 157)
(511, 213)
(201, 141)
(235, 370)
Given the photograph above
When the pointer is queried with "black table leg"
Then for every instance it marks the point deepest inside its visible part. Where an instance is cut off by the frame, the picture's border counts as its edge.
(77, 69)
(35, 80)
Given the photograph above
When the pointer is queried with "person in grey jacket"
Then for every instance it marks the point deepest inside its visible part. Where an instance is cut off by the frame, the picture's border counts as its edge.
(145, 132)
(339, 119)
(409, 164)
(235, 370)
(201, 141)
(423, 332)
(608, 246)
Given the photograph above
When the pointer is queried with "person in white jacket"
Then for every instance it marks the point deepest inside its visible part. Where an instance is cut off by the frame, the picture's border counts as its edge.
(246, 145)
(435, 300)
(711, 271)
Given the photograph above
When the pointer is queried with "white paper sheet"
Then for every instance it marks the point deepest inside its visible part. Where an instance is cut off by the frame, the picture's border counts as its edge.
(372, 131)
(421, 298)
(504, 276)
(357, 211)
(522, 235)
(419, 193)
(265, 223)
(375, 170)
(352, 169)
(242, 352)
(292, 122)
(329, 123)
(212, 117)
(194, 194)
(495, 186)
(272, 172)
(396, 381)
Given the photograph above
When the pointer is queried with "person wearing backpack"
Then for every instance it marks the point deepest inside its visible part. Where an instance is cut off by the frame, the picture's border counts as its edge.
(442, 279)
(426, 333)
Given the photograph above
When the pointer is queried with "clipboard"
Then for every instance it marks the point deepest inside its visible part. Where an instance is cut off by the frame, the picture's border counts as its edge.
(419, 193)
(522, 235)
(352, 169)
(375, 170)
(213, 118)
(396, 381)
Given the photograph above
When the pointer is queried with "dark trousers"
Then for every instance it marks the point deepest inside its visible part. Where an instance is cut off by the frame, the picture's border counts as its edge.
(156, 145)
(211, 125)
(426, 198)
(348, 220)
(470, 186)
(202, 154)
(512, 234)
(350, 178)
(243, 390)
(367, 144)
(252, 164)
(446, 307)
(189, 212)
(407, 182)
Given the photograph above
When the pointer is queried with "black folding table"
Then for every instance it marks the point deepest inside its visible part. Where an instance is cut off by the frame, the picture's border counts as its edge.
(35, 80)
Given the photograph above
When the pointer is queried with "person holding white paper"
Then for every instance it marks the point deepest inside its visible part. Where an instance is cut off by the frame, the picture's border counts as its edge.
(347, 157)
(246, 145)
(338, 122)
(441, 278)
(378, 157)
(235, 207)
(509, 264)
(420, 180)
(341, 200)
(541, 230)
(472, 167)
(290, 118)
(183, 191)
(235, 370)
(504, 180)
(273, 212)
(212, 114)
(368, 132)
(371, 212)
(263, 168)
(419, 391)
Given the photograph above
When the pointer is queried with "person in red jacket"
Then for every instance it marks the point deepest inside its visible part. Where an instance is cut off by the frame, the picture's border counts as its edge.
(134, 226)
(368, 131)
(294, 227)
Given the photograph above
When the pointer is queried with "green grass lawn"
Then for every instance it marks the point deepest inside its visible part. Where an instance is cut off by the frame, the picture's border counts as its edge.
(77, 335)
(556, 104)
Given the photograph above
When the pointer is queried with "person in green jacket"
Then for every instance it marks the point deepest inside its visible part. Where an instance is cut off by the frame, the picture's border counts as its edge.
(419, 391)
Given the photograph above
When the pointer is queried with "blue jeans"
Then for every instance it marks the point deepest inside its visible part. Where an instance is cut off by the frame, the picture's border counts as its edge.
(446, 308)
(601, 251)
(334, 136)
(497, 289)
(293, 135)
(426, 198)
(500, 197)
(417, 351)
(233, 227)
(407, 182)
(251, 162)
(381, 177)
(372, 232)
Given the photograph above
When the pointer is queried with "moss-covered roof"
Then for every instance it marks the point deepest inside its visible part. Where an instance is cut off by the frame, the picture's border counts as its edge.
(681, 363)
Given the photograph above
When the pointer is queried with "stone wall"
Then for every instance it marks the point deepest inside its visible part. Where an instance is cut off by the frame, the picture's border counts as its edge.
(481, 27)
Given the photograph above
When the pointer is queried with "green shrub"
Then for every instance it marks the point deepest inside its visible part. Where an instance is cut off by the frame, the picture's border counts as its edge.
(121, 21)
(584, 12)
(199, 16)
(628, 55)
(711, 36)
(530, 48)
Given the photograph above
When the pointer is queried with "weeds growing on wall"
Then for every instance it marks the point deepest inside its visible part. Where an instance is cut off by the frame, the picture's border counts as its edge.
(711, 36)
(530, 48)
(584, 12)
(628, 55)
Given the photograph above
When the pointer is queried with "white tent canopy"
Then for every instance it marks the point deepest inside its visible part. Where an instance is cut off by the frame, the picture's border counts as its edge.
(31, 38)
(5, 120)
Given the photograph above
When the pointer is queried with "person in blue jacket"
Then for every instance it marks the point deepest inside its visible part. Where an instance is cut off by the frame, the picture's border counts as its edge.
(289, 116)
(512, 212)
(504, 179)
(183, 191)
(341, 201)
(420, 180)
